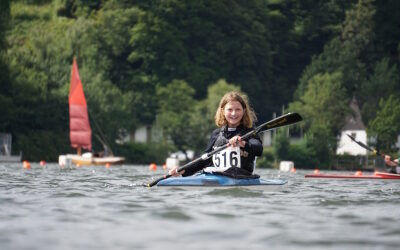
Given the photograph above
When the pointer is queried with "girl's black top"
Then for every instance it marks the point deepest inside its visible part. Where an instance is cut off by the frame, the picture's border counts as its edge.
(252, 148)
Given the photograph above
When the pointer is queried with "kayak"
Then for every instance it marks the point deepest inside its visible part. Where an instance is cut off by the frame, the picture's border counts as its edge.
(388, 175)
(213, 180)
(358, 175)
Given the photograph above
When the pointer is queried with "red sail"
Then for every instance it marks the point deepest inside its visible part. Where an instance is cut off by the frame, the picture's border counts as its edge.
(80, 132)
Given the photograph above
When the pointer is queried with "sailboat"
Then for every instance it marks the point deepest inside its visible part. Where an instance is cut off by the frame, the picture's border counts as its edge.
(80, 131)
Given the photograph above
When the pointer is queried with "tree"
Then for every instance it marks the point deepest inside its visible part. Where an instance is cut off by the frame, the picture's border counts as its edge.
(203, 41)
(386, 125)
(40, 72)
(128, 49)
(358, 26)
(314, 24)
(324, 108)
(324, 102)
(384, 81)
(387, 30)
(115, 27)
(322, 142)
(281, 145)
(176, 106)
(5, 84)
(344, 53)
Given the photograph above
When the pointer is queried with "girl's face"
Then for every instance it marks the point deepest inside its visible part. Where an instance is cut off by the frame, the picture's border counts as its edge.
(233, 112)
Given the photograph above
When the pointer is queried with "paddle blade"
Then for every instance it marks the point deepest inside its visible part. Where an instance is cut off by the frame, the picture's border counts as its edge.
(153, 183)
(361, 144)
(280, 121)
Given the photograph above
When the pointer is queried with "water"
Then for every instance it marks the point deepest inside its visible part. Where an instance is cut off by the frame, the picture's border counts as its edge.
(100, 208)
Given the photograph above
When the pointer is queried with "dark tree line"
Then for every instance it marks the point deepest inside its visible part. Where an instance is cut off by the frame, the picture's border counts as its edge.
(131, 53)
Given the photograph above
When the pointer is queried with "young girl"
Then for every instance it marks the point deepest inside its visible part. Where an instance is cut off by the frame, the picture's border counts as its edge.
(234, 117)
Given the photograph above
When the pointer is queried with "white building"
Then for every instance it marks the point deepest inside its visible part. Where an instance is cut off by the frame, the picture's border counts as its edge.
(355, 127)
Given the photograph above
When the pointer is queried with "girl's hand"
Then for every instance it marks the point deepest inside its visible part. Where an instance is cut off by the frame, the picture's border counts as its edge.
(237, 141)
(174, 172)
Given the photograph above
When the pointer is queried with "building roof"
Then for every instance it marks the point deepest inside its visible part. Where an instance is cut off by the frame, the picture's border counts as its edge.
(354, 121)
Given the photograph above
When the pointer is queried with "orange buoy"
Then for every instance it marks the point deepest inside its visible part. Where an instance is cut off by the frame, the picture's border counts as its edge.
(78, 165)
(107, 165)
(26, 165)
(358, 173)
(42, 163)
(316, 171)
(153, 167)
(164, 166)
(293, 170)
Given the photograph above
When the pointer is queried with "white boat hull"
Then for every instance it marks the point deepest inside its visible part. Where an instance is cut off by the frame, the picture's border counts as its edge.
(79, 160)
(10, 158)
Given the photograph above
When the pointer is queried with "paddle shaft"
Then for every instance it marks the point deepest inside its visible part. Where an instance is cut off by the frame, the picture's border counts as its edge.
(283, 120)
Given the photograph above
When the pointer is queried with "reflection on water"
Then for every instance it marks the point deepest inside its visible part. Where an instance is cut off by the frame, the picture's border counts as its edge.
(100, 208)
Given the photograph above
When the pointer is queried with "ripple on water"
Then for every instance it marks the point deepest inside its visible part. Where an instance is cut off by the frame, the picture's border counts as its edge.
(221, 215)
(235, 192)
(67, 195)
(172, 214)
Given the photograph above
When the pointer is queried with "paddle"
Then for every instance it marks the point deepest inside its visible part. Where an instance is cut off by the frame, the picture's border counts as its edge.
(280, 121)
(368, 148)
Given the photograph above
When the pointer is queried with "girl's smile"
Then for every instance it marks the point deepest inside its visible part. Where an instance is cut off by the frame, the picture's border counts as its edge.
(233, 112)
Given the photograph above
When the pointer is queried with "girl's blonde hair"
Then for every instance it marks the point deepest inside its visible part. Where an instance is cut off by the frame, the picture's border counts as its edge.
(249, 116)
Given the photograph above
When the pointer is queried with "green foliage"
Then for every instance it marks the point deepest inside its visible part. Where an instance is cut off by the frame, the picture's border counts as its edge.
(41, 71)
(42, 145)
(335, 58)
(387, 31)
(343, 54)
(322, 143)
(267, 159)
(386, 125)
(315, 150)
(303, 156)
(346, 60)
(126, 50)
(75, 8)
(141, 153)
(202, 41)
(5, 95)
(4, 22)
(176, 106)
(281, 146)
(383, 82)
(358, 25)
(324, 103)
(311, 152)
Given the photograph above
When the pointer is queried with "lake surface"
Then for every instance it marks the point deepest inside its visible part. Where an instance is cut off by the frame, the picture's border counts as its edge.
(99, 208)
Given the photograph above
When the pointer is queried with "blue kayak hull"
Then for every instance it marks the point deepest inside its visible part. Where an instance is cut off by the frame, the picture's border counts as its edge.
(218, 180)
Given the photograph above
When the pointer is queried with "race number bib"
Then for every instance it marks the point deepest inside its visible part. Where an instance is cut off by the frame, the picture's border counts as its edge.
(227, 158)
